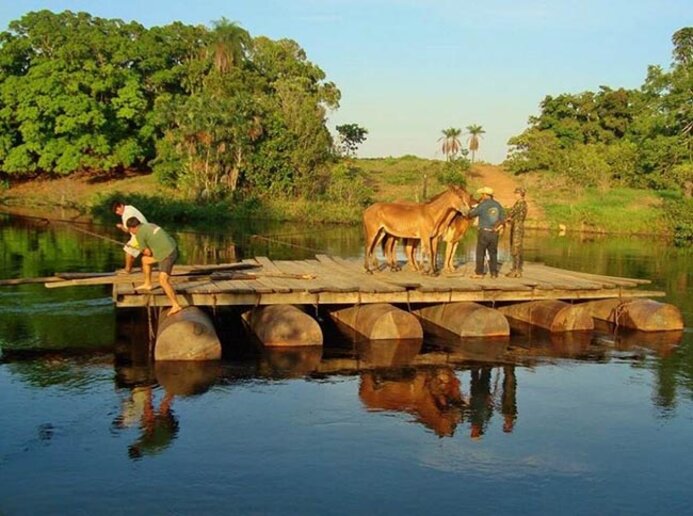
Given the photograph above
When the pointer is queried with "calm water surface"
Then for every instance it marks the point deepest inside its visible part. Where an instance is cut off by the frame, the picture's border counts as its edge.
(582, 424)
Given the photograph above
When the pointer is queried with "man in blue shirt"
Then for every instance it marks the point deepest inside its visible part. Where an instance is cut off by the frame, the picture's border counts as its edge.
(491, 216)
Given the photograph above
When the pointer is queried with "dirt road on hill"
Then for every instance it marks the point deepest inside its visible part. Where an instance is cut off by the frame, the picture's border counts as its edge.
(503, 184)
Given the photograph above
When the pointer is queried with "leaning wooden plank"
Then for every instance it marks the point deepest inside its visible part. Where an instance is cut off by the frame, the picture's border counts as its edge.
(106, 280)
(267, 264)
(26, 281)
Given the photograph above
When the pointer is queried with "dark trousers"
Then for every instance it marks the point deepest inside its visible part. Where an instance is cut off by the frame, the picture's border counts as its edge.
(487, 241)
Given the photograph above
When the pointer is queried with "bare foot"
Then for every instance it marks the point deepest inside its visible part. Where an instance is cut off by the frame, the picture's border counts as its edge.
(174, 310)
(144, 286)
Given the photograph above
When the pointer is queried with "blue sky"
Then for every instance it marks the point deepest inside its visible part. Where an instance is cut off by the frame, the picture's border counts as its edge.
(409, 68)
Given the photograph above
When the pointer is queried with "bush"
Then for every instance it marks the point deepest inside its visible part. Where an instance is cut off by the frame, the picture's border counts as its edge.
(454, 172)
(347, 185)
(165, 210)
(680, 215)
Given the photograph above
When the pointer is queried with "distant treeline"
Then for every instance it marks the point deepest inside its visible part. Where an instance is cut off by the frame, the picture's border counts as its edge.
(211, 110)
(640, 138)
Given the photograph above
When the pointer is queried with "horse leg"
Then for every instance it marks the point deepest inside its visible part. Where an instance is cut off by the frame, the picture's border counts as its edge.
(390, 247)
(370, 243)
(410, 245)
(450, 250)
(434, 254)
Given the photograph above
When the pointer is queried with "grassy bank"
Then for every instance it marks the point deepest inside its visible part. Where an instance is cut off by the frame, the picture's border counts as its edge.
(614, 210)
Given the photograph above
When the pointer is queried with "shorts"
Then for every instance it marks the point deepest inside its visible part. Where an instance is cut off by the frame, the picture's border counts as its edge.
(166, 265)
(132, 247)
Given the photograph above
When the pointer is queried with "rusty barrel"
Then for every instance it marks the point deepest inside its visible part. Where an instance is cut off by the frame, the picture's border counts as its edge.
(551, 314)
(379, 321)
(637, 314)
(465, 319)
(187, 335)
(283, 325)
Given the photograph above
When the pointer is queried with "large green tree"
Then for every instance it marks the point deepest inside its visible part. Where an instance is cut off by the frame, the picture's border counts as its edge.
(636, 137)
(213, 110)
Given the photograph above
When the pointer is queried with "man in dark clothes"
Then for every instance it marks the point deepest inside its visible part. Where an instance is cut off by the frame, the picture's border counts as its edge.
(491, 216)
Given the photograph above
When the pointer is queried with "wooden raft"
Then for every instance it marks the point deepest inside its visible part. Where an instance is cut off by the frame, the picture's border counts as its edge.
(338, 281)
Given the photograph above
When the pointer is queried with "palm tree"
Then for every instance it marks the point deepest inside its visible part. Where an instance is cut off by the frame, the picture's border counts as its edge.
(475, 132)
(451, 142)
(229, 45)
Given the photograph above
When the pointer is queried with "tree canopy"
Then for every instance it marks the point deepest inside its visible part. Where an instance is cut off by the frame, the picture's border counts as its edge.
(639, 137)
(210, 109)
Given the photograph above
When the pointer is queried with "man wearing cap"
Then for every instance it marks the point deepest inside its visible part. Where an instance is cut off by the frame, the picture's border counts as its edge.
(491, 216)
(517, 216)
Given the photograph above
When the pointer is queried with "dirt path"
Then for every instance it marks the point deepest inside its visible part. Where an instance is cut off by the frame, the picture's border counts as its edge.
(504, 185)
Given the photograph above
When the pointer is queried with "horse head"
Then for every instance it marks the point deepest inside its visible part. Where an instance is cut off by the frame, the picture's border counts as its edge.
(464, 199)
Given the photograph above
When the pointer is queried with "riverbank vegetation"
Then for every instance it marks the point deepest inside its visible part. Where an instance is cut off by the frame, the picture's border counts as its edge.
(621, 138)
(196, 123)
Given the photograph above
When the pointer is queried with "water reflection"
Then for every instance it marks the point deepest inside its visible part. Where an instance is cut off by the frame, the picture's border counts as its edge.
(147, 394)
(431, 395)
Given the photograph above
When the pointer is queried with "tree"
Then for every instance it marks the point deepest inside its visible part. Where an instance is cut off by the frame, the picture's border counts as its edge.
(350, 137)
(229, 45)
(451, 142)
(475, 132)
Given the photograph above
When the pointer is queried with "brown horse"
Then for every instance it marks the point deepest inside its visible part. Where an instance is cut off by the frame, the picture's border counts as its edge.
(451, 230)
(423, 222)
(451, 236)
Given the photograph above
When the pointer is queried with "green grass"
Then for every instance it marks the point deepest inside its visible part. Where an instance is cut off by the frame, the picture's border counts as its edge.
(617, 210)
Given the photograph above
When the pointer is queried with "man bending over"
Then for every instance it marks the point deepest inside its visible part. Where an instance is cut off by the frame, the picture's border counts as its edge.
(157, 247)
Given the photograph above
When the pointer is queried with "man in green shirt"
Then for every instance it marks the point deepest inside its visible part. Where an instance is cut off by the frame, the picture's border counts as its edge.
(157, 247)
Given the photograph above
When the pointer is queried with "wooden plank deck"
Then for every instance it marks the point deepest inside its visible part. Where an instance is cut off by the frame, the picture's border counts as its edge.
(334, 280)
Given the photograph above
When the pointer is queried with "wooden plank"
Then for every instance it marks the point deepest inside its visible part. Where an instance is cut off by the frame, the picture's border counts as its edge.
(552, 272)
(338, 273)
(366, 282)
(225, 298)
(313, 285)
(25, 281)
(557, 280)
(625, 282)
(237, 287)
(256, 286)
(335, 282)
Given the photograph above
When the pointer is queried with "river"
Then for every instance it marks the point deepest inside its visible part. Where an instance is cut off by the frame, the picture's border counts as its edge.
(601, 424)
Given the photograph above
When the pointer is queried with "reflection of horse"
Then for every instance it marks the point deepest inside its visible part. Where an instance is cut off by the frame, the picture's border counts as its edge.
(424, 222)
(432, 395)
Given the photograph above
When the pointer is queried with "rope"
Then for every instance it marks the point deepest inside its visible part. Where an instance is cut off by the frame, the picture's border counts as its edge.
(87, 232)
